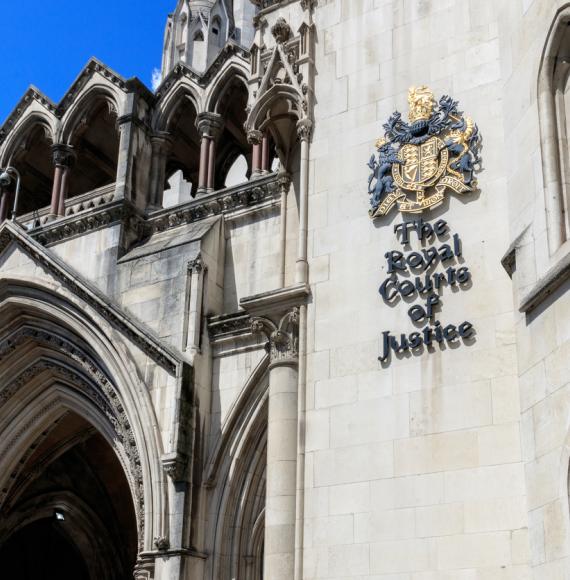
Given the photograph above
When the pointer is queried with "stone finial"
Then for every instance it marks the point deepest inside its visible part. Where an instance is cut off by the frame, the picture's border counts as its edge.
(281, 31)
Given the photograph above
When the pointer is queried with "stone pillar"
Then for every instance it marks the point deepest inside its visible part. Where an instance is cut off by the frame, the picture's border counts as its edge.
(211, 164)
(255, 139)
(209, 127)
(194, 306)
(126, 123)
(304, 128)
(5, 199)
(161, 144)
(63, 159)
(284, 185)
(280, 505)
(265, 153)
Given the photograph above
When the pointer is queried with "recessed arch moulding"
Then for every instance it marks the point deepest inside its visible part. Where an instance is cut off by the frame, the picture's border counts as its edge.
(75, 370)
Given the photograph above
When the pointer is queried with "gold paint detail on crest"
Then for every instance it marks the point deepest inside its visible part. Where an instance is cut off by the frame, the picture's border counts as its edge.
(417, 162)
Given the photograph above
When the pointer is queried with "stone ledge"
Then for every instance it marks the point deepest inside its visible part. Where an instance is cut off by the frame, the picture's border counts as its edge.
(276, 301)
(546, 285)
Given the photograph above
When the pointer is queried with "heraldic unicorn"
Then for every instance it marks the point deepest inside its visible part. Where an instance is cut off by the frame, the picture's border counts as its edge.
(417, 162)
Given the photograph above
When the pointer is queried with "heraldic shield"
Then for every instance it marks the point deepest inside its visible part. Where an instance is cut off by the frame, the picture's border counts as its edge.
(418, 161)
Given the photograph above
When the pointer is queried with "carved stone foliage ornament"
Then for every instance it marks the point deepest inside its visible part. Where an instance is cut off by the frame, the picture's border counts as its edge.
(419, 160)
(283, 338)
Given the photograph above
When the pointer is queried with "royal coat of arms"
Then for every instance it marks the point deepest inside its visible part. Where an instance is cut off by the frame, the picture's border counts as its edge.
(416, 162)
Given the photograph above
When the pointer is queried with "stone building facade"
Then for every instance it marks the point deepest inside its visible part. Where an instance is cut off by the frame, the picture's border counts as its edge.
(199, 376)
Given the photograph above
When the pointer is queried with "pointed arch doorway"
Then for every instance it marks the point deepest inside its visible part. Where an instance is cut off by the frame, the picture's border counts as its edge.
(69, 512)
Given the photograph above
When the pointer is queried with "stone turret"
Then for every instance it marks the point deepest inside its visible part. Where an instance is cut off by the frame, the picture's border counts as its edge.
(198, 29)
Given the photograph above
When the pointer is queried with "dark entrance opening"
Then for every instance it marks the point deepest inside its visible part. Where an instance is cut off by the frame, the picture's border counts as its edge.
(42, 551)
(69, 513)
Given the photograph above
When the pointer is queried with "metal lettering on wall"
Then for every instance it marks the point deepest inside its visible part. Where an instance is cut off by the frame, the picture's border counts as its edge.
(413, 275)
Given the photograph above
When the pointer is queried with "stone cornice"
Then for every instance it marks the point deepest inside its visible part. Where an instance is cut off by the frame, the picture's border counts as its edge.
(276, 301)
(151, 345)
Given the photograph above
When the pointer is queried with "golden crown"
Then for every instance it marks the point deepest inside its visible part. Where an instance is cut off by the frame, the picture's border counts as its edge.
(422, 103)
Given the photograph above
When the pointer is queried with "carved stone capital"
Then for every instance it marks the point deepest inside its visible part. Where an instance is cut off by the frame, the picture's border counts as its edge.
(161, 142)
(309, 4)
(281, 31)
(254, 137)
(162, 543)
(62, 155)
(174, 466)
(209, 125)
(284, 180)
(304, 129)
(282, 338)
(197, 264)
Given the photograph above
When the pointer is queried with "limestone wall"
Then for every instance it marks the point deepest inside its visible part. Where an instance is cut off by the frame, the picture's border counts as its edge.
(415, 468)
(542, 334)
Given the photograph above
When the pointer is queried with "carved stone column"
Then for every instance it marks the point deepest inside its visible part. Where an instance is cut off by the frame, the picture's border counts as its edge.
(194, 306)
(279, 558)
(304, 129)
(5, 199)
(161, 144)
(209, 126)
(255, 139)
(265, 153)
(63, 159)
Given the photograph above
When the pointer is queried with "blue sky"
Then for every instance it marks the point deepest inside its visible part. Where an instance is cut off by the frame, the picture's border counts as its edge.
(46, 44)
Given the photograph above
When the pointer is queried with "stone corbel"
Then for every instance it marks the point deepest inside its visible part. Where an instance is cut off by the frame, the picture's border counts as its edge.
(174, 465)
(282, 338)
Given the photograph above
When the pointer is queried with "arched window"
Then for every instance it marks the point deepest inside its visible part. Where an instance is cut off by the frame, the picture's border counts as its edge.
(33, 159)
(95, 140)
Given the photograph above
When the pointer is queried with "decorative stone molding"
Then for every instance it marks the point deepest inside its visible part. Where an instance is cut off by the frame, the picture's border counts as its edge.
(283, 338)
(247, 195)
(98, 389)
(144, 568)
